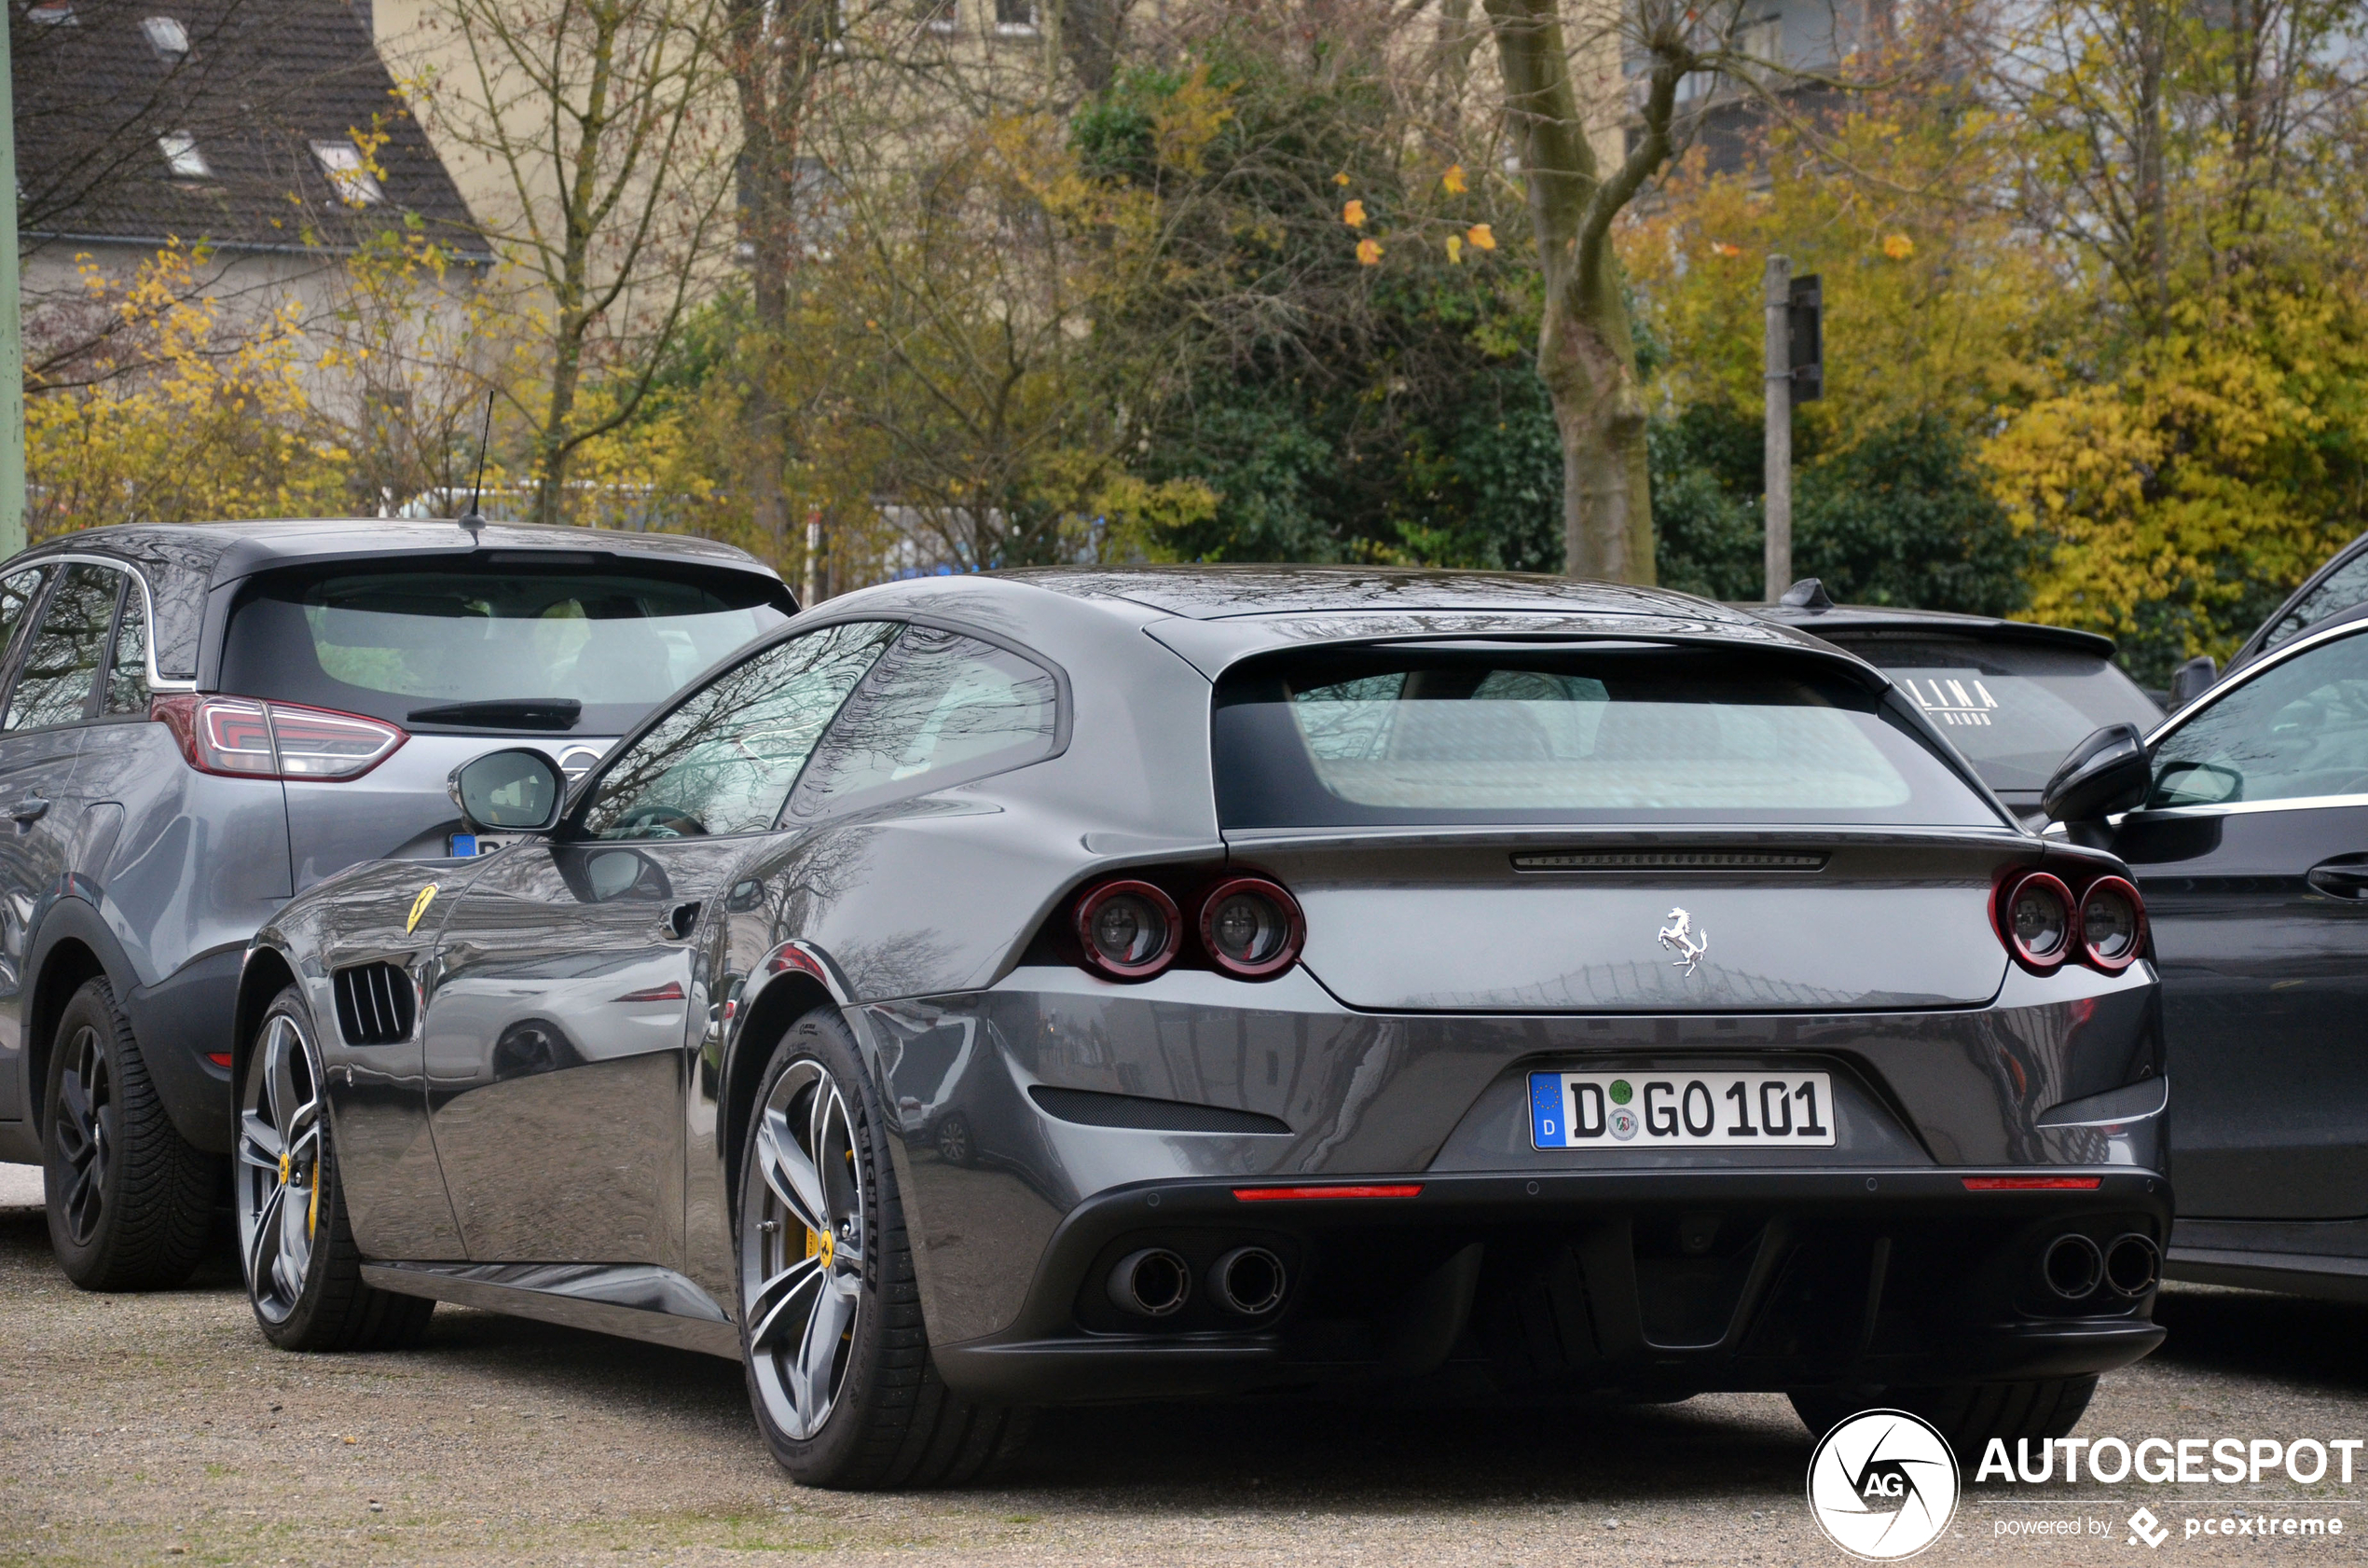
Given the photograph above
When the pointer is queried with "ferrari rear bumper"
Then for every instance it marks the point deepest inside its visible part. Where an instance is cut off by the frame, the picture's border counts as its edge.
(1537, 1285)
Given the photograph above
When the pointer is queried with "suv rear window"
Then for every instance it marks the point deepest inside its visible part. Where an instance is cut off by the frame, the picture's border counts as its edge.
(2014, 711)
(392, 640)
(1594, 734)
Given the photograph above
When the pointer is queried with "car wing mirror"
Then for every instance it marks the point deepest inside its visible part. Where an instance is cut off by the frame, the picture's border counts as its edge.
(2107, 773)
(515, 791)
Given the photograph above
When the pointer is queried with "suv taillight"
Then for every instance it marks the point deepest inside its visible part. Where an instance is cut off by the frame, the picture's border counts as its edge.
(2045, 924)
(242, 737)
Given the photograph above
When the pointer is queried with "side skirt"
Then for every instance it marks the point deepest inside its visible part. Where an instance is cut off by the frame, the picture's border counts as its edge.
(637, 1301)
(2295, 1273)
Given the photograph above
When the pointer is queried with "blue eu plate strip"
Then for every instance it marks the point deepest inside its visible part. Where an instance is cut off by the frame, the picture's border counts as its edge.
(1546, 1111)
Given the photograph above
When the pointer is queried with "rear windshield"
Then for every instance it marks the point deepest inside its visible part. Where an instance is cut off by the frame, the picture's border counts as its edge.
(1407, 737)
(396, 642)
(2014, 712)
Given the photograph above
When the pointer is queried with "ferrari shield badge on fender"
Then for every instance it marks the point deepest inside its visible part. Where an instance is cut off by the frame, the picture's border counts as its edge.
(420, 907)
(1679, 938)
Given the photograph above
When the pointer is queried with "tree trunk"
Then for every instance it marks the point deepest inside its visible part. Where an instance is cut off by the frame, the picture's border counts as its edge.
(1585, 355)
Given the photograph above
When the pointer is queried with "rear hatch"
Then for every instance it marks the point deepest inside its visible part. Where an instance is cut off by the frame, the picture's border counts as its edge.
(1611, 826)
(559, 650)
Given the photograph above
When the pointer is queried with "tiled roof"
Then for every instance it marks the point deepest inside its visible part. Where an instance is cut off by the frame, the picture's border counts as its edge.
(263, 80)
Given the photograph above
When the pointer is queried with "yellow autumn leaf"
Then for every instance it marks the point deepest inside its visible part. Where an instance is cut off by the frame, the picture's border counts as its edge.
(1354, 214)
(1454, 249)
(1369, 253)
(1898, 246)
(1482, 236)
(1720, 247)
(1340, 178)
(1453, 179)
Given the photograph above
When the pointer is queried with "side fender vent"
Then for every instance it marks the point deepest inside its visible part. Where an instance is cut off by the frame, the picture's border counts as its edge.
(376, 1003)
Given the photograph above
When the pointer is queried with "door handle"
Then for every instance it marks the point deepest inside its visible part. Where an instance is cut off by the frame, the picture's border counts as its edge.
(681, 918)
(29, 809)
(2343, 878)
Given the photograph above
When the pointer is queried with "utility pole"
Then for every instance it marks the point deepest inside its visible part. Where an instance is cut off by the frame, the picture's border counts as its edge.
(1780, 426)
(11, 320)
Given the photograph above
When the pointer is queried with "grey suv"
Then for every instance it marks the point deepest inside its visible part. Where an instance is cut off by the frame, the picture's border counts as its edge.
(198, 723)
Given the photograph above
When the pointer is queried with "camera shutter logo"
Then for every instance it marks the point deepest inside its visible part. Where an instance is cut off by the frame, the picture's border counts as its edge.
(1882, 1485)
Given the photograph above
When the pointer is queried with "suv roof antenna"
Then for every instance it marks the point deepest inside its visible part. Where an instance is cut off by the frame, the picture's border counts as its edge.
(471, 519)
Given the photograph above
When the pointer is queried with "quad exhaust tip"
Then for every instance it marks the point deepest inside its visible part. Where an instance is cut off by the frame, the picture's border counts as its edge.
(1153, 1282)
(1248, 1280)
(2133, 1265)
(2073, 1265)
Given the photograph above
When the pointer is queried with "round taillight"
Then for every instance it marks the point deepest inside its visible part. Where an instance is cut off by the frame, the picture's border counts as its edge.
(1128, 930)
(2037, 921)
(2113, 924)
(1252, 927)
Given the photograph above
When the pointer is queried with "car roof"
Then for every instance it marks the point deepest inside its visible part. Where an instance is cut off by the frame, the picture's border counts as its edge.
(223, 551)
(1877, 619)
(1215, 616)
(1204, 592)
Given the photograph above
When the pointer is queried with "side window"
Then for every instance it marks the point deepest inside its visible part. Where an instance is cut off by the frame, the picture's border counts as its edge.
(62, 661)
(723, 761)
(2298, 731)
(2347, 587)
(17, 592)
(940, 709)
(128, 662)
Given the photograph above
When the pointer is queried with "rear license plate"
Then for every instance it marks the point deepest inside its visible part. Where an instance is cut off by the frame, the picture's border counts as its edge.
(1681, 1110)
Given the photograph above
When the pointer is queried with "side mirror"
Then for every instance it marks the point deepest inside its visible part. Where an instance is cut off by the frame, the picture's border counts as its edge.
(2192, 679)
(519, 791)
(2108, 772)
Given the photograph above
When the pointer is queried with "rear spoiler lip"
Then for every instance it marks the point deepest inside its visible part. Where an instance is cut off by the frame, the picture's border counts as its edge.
(1542, 835)
(1215, 647)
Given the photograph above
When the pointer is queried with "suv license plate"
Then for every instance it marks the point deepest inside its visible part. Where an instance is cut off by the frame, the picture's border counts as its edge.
(1681, 1110)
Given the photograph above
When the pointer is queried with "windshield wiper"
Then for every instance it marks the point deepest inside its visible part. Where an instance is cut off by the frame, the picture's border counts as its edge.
(505, 713)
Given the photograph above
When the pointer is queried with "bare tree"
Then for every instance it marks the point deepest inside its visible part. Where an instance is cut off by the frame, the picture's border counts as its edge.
(601, 118)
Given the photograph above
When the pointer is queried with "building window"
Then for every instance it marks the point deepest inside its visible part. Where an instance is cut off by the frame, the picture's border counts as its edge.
(167, 37)
(1015, 16)
(182, 157)
(343, 162)
(1762, 42)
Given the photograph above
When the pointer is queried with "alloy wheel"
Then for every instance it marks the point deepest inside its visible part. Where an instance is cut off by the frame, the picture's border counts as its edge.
(279, 1169)
(802, 1249)
(86, 1133)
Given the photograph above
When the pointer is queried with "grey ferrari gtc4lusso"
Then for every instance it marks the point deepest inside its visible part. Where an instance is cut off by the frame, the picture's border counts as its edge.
(986, 992)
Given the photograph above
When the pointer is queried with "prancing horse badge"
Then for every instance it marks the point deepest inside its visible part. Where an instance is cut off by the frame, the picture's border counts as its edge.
(1679, 938)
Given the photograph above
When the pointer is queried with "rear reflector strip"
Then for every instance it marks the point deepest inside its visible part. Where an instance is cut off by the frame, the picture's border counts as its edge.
(219, 1058)
(2033, 1184)
(1284, 1195)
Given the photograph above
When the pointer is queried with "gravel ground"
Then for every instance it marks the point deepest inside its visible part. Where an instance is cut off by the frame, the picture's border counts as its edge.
(162, 1429)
